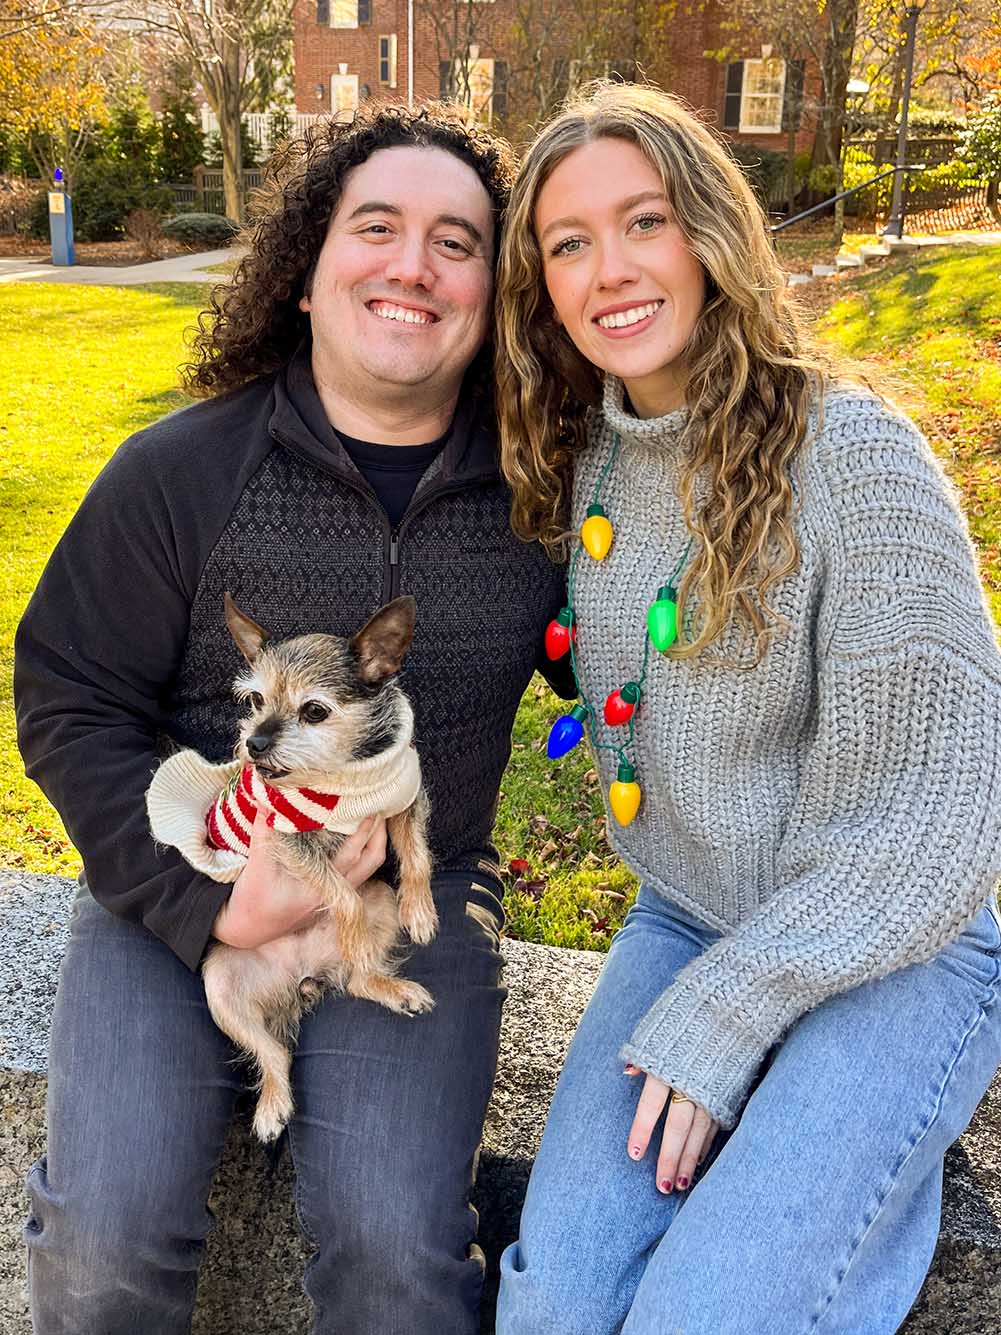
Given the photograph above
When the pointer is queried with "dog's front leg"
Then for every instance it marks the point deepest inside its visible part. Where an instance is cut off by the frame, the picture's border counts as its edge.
(310, 857)
(408, 831)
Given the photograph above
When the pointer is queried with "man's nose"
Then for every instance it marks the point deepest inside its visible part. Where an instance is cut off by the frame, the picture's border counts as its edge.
(410, 264)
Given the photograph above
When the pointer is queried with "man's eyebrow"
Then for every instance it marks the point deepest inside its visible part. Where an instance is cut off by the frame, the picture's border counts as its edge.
(644, 197)
(452, 219)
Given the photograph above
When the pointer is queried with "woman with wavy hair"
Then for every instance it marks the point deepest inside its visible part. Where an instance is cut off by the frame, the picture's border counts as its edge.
(793, 692)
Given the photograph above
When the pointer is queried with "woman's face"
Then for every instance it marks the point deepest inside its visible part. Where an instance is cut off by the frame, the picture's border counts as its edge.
(622, 281)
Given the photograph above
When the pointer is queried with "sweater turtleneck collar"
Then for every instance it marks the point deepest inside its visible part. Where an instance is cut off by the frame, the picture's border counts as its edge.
(663, 432)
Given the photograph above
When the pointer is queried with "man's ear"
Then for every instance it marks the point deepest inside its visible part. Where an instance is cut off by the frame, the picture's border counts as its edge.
(384, 639)
(249, 637)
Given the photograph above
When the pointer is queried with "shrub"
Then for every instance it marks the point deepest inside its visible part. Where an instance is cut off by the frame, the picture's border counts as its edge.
(182, 144)
(764, 170)
(143, 227)
(19, 203)
(106, 191)
(982, 140)
(201, 231)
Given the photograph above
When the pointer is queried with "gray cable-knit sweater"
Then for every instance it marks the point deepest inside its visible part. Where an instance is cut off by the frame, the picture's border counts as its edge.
(836, 811)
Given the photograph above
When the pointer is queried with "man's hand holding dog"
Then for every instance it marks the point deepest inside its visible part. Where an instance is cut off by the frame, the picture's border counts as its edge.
(268, 902)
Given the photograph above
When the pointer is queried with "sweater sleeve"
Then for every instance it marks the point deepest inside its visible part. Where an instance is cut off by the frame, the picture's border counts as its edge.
(894, 840)
(97, 647)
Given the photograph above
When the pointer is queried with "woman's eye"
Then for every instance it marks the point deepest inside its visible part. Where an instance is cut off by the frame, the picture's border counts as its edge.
(313, 712)
(255, 700)
(649, 221)
(568, 247)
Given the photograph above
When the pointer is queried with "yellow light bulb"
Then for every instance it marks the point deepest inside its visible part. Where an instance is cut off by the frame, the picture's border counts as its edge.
(624, 795)
(596, 532)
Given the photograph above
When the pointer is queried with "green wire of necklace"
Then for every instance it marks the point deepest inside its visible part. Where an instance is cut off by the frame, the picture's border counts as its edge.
(661, 631)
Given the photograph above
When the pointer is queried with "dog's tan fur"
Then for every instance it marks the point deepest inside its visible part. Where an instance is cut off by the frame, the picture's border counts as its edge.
(258, 996)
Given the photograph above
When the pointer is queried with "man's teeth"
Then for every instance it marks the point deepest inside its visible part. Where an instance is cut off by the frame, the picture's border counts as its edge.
(633, 316)
(401, 313)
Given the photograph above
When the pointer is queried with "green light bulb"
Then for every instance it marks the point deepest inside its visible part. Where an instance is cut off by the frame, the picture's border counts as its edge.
(662, 618)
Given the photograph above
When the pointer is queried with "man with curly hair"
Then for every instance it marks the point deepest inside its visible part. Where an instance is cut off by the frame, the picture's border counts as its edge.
(345, 454)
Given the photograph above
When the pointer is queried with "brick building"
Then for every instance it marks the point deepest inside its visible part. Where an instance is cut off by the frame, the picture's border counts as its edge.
(349, 50)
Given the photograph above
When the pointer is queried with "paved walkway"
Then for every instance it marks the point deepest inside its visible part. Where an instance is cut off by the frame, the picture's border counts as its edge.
(179, 269)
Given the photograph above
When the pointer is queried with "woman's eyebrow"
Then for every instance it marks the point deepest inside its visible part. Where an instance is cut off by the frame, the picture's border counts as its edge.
(644, 197)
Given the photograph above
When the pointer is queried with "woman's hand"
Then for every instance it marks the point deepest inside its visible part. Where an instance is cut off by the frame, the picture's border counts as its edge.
(268, 901)
(688, 1132)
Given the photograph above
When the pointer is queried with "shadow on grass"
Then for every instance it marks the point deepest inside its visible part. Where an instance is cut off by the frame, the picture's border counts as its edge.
(167, 401)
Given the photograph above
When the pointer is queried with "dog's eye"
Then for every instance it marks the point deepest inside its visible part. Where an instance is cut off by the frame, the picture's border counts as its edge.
(313, 712)
(256, 700)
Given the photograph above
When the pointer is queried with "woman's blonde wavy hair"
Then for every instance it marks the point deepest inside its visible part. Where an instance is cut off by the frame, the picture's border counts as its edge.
(753, 373)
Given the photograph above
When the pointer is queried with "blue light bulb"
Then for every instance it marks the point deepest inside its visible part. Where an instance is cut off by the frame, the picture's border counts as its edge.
(566, 732)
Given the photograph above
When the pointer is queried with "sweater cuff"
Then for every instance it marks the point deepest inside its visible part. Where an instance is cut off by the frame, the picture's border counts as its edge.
(710, 1057)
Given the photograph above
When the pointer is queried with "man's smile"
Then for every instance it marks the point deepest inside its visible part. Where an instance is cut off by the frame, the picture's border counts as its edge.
(401, 314)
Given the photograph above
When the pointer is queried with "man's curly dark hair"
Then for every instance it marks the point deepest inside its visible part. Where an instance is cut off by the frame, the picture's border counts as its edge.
(254, 324)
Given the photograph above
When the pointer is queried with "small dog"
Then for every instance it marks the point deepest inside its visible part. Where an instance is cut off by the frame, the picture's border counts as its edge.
(328, 741)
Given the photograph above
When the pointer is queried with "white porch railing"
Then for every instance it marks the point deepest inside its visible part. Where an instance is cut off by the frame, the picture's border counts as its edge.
(259, 124)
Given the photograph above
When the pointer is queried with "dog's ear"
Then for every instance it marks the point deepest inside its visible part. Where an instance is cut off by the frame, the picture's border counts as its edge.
(384, 639)
(249, 637)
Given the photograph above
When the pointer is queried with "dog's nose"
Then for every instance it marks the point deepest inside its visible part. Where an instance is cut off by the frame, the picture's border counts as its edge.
(260, 744)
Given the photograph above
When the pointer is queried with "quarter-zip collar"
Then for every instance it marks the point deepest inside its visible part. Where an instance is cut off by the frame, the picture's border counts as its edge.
(299, 422)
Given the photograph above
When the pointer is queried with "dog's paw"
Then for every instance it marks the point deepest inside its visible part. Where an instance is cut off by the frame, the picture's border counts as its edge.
(420, 923)
(271, 1115)
(412, 998)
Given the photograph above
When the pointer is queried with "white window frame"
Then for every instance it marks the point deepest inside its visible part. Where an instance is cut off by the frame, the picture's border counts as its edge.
(344, 13)
(343, 83)
(390, 58)
(751, 119)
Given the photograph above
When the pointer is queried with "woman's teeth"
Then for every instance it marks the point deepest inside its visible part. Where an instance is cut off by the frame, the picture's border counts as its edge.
(633, 316)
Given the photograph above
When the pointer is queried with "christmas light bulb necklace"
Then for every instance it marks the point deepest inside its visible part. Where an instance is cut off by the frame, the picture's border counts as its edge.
(596, 537)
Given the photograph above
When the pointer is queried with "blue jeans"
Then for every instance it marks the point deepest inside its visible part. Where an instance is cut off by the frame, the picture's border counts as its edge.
(818, 1213)
(389, 1113)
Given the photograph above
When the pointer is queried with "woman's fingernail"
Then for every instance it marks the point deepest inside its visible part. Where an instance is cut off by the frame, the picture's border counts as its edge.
(635, 1151)
(682, 1183)
(665, 1185)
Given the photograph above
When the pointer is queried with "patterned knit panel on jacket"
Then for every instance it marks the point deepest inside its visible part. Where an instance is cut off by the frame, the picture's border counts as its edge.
(304, 552)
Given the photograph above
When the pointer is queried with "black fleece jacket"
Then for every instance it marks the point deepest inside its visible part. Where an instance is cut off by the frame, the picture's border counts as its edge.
(123, 644)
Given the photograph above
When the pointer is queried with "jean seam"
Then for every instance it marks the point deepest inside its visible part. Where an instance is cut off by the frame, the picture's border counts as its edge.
(912, 1143)
(300, 1214)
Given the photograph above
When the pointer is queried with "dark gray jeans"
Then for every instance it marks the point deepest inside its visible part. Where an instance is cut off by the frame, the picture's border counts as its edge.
(389, 1112)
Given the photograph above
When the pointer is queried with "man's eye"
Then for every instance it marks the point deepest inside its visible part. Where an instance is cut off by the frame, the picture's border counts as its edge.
(255, 700)
(313, 712)
(458, 247)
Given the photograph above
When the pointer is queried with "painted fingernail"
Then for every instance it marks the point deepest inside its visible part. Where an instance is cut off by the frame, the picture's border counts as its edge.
(665, 1185)
(635, 1151)
(682, 1183)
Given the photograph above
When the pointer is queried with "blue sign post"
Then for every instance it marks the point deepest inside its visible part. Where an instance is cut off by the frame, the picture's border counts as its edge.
(61, 222)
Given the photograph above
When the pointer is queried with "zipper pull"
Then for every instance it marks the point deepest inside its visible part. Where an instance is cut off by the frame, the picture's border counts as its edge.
(394, 549)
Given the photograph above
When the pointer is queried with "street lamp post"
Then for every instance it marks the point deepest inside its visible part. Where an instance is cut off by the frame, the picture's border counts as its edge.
(895, 223)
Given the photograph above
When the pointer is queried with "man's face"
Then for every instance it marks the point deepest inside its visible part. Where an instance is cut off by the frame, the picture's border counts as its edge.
(402, 291)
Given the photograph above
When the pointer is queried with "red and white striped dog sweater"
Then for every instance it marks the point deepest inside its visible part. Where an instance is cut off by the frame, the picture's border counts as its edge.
(289, 810)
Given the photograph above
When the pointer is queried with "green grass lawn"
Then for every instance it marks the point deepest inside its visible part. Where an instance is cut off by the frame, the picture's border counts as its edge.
(90, 365)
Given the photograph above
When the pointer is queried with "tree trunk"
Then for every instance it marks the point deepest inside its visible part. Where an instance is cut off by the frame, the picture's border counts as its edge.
(228, 114)
(791, 164)
(842, 19)
(232, 166)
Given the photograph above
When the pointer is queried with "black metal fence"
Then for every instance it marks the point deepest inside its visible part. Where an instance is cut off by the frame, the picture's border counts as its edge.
(204, 194)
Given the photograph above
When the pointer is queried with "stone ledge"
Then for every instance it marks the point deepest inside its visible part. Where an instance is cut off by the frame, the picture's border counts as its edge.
(250, 1278)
